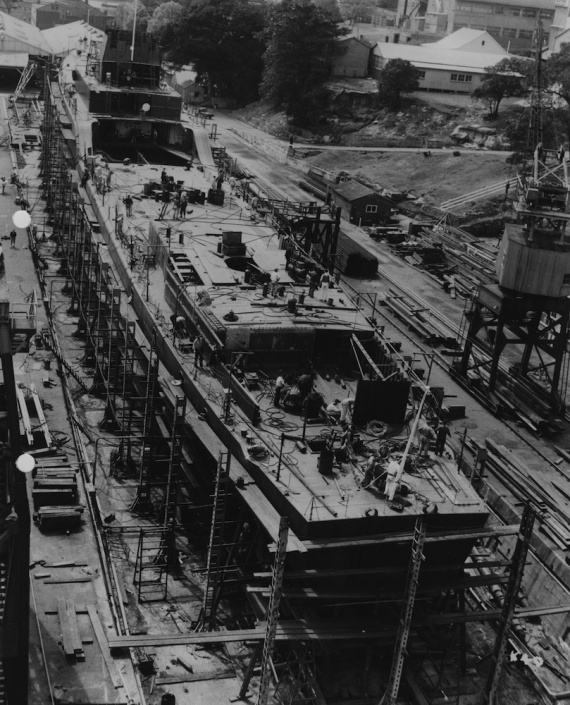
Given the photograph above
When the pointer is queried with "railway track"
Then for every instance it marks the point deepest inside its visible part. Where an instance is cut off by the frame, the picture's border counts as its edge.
(484, 192)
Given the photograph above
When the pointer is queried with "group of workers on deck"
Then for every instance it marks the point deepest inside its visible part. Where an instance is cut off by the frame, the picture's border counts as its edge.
(302, 395)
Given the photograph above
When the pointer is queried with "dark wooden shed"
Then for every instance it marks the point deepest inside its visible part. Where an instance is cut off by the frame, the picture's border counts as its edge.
(360, 204)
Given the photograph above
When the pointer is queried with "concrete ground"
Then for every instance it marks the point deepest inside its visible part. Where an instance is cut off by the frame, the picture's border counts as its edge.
(86, 681)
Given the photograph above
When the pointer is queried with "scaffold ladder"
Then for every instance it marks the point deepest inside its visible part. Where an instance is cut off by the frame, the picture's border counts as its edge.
(174, 461)
(143, 501)
(404, 625)
(273, 611)
(265, 650)
(509, 604)
(214, 561)
(155, 549)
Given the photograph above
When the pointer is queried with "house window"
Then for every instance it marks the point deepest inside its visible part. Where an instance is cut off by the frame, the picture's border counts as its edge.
(378, 61)
(546, 14)
(499, 10)
(525, 33)
(494, 31)
(372, 209)
(507, 32)
(514, 11)
(529, 12)
(461, 77)
(421, 75)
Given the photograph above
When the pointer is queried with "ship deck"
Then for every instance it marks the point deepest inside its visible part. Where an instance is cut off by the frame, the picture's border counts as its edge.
(321, 505)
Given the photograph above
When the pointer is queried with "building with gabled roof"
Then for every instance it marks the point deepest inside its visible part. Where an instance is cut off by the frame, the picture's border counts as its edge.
(18, 37)
(360, 204)
(66, 11)
(466, 39)
(456, 70)
(353, 59)
(78, 36)
(512, 23)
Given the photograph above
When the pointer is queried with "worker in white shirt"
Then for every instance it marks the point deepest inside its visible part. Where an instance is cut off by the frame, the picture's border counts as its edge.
(346, 406)
(279, 387)
(275, 279)
(333, 410)
(325, 284)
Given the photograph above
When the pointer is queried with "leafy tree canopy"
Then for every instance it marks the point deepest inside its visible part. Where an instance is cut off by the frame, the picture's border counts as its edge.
(357, 10)
(503, 80)
(168, 13)
(125, 16)
(556, 73)
(398, 76)
(302, 40)
(556, 80)
(220, 38)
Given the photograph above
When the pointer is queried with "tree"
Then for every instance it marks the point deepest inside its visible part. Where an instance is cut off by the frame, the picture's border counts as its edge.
(503, 80)
(357, 10)
(125, 16)
(170, 13)
(302, 40)
(398, 76)
(556, 80)
(220, 39)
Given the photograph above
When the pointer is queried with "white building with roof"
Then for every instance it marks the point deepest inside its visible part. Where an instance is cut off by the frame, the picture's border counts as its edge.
(454, 64)
(18, 42)
(512, 22)
(75, 36)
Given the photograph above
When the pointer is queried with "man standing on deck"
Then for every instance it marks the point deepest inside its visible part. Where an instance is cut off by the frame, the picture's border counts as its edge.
(183, 203)
(275, 278)
(128, 201)
(442, 432)
(426, 435)
(279, 386)
(198, 346)
(3, 184)
(325, 283)
(13, 234)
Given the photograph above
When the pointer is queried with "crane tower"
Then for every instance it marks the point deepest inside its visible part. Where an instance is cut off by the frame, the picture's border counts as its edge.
(517, 329)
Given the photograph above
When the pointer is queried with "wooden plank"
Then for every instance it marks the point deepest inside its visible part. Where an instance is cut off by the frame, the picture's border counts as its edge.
(103, 645)
(67, 636)
(41, 416)
(55, 581)
(297, 631)
(193, 677)
(470, 534)
(74, 629)
(24, 415)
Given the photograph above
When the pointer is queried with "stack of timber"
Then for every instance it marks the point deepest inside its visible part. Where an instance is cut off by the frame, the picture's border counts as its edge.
(70, 636)
(33, 425)
(353, 259)
(524, 400)
(55, 494)
(549, 497)
(419, 319)
(443, 252)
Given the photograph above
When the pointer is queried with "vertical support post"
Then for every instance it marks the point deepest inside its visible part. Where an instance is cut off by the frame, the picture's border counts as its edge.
(416, 558)
(462, 634)
(273, 611)
(511, 595)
